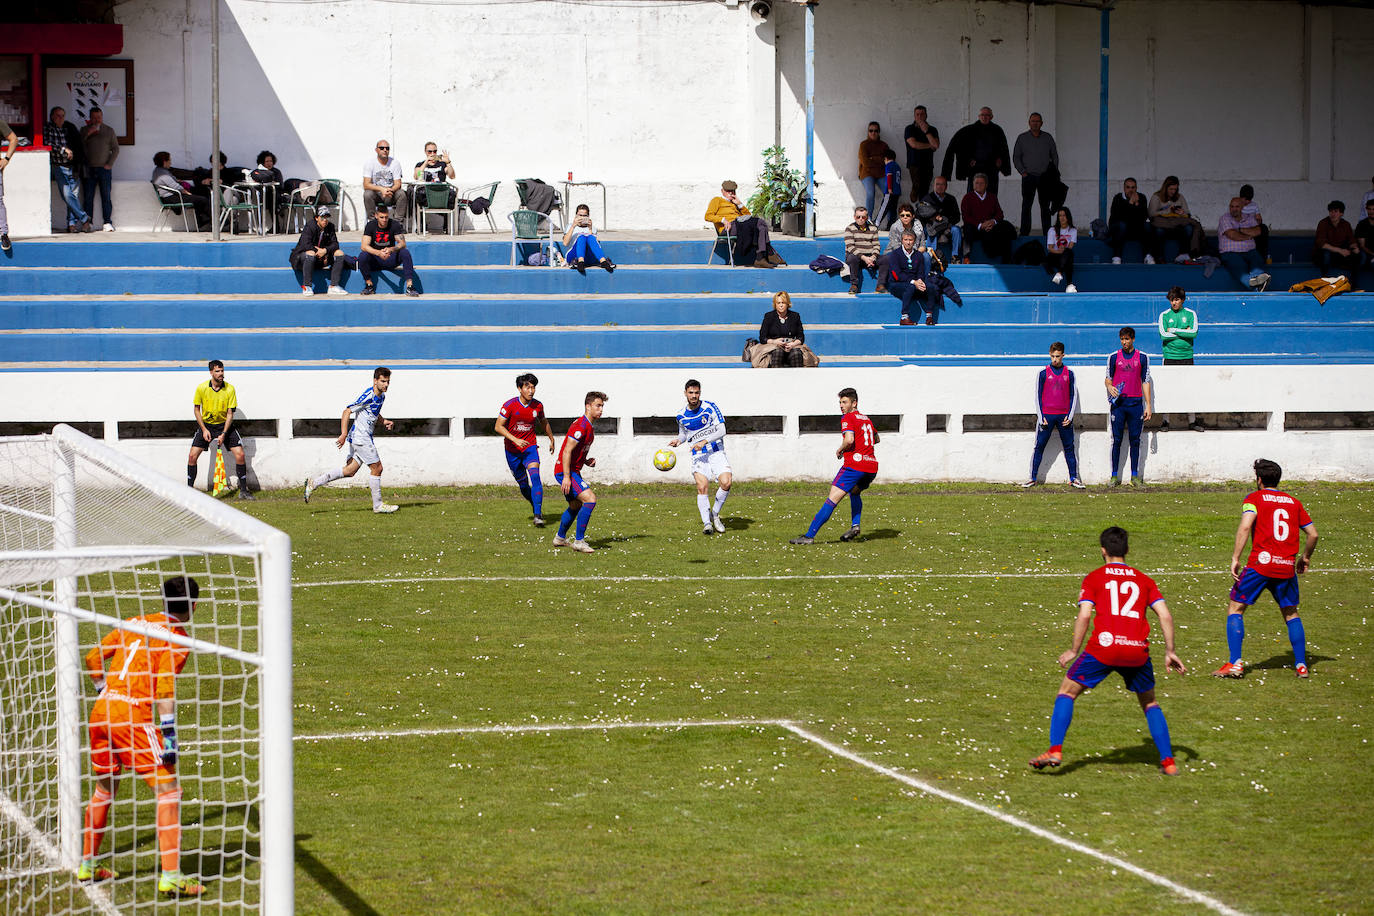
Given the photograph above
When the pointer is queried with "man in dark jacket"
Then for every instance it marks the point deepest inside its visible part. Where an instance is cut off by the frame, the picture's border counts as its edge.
(907, 269)
(319, 245)
(978, 147)
(939, 214)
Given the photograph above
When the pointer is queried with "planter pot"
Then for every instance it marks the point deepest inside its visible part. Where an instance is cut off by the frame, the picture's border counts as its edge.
(792, 222)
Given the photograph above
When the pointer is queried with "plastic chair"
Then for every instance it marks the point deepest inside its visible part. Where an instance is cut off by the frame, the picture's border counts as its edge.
(244, 202)
(522, 188)
(303, 204)
(168, 204)
(435, 200)
(482, 190)
(524, 228)
(728, 238)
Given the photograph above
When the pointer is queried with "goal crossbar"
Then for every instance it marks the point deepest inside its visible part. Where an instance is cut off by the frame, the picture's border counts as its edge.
(133, 626)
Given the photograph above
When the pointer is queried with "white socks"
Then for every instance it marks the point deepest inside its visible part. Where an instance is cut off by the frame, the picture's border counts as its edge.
(327, 477)
(376, 484)
(704, 507)
(721, 495)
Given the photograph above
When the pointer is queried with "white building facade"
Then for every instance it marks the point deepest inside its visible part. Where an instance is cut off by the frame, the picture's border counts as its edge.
(662, 99)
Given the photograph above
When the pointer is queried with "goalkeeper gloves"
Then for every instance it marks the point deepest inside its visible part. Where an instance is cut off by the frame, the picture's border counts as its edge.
(99, 686)
(169, 741)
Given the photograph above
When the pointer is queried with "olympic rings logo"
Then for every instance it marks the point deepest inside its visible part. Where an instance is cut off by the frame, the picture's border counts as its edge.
(86, 74)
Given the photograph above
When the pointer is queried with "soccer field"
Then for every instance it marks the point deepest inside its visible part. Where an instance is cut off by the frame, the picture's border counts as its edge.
(731, 724)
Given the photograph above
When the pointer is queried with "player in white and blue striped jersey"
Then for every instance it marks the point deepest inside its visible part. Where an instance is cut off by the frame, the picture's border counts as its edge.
(363, 414)
(702, 426)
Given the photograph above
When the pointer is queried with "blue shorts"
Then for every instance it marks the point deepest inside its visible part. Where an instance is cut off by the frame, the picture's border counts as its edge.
(852, 480)
(1090, 672)
(575, 491)
(1253, 583)
(523, 461)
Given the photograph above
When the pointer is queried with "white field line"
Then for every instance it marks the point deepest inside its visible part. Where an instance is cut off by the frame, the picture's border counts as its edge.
(535, 728)
(412, 580)
(1185, 892)
(828, 746)
(96, 895)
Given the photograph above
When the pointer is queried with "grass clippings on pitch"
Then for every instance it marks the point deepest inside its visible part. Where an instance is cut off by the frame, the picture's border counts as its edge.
(928, 646)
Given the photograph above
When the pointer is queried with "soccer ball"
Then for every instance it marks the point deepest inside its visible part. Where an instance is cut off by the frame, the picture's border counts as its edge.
(665, 459)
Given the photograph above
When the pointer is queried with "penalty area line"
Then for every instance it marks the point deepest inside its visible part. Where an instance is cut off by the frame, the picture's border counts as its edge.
(536, 728)
(829, 747)
(1173, 886)
(418, 580)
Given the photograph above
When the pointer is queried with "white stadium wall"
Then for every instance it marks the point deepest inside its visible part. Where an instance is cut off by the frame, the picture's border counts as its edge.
(953, 396)
(661, 100)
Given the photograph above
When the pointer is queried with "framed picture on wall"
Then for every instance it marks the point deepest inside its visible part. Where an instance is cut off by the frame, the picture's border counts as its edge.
(80, 84)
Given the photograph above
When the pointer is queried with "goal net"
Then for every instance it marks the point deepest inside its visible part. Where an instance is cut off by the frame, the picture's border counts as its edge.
(87, 539)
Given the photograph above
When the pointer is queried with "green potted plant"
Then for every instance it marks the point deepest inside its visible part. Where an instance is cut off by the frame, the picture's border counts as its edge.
(781, 196)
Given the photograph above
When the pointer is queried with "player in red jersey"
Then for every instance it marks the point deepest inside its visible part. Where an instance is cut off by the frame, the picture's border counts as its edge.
(141, 680)
(571, 457)
(856, 474)
(516, 424)
(1269, 520)
(1119, 596)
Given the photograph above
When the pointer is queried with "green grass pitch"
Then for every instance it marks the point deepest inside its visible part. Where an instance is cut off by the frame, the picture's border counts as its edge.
(927, 647)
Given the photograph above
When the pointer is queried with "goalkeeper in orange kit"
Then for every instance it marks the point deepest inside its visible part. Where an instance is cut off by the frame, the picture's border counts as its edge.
(142, 675)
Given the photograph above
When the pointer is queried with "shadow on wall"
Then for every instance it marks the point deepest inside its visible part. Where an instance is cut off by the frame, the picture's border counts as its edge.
(174, 91)
(915, 54)
(252, 117)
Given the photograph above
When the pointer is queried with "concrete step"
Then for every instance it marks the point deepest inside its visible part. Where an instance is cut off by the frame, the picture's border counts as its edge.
(630, 279)
(469, 250)
(379, 345)
(286, 310)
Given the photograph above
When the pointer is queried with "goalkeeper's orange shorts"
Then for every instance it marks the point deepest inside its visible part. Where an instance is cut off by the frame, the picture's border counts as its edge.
(123, 736)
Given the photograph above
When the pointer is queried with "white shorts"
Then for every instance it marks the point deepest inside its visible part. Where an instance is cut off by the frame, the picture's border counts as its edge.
(710, 464)
(362, 449)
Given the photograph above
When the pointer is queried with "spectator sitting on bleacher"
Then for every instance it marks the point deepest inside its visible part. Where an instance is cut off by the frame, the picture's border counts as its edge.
(1368, 195)
(1130, 221)
(435, 168)
(269, 177)
(729, 215)
(906, 275)
(1059, 243)
(204, 178)
(319, 246)
(382, 181)
(983, 220)
(1236, 235)
(781, 330)
(580, 244)
(170, 188)
(939, 214)
(1247, 194)
(1335, 251)
(906, 222)
(1364, 233)
(860, 250)
(1170, 217)
(384, 248)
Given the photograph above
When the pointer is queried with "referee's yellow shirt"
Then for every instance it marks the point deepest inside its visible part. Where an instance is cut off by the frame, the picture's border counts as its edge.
(215, 405)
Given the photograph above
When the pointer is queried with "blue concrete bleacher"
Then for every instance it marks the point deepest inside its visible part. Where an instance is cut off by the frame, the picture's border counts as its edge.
(127, 304)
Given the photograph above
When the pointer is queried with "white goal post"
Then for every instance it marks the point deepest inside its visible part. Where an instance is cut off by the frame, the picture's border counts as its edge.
(87, 539)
